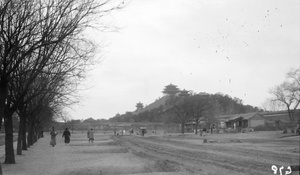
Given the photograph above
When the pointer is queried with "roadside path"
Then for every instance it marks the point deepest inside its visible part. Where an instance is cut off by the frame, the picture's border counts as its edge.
(103, 157)
(41, 158)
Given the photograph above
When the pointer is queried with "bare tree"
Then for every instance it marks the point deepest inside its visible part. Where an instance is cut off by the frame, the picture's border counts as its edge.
(198, 106)
(271, 105)
(32, 31)
(288, 93)
(180, 108)
(65, 116)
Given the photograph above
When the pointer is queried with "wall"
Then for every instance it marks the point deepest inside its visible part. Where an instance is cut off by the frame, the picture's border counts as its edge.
(256, 121)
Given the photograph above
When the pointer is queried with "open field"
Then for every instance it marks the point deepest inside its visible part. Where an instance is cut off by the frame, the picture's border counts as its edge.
(234, 154)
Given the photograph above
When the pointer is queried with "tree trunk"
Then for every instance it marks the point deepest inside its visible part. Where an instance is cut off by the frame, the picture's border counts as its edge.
(3, 95)
(19, 146)
(29, 137)
(35, 134)
(196, 127)
(9, 142)
(182, 127)
(290, 112)
(24, 141)
(1, 170)
(20, 134)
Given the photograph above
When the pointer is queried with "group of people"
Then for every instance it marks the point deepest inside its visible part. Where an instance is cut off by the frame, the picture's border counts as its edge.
(67, 136)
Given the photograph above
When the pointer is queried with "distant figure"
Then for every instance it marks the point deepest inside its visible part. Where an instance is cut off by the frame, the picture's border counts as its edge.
(91, 135)
(67, 136)
(143, 132)
(201, 131)
(53, 137)
(42, 133)
(131, 131)
(211, 129)
(204, 131)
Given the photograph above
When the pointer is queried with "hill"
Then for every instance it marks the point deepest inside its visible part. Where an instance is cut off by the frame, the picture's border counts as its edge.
(157, 103)
(219, 104)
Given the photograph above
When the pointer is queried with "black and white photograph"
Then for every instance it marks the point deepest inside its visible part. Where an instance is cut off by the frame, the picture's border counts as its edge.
(149, 87)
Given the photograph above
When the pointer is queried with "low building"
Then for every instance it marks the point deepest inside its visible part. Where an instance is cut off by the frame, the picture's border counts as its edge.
(282, 116)
(238, 121)
(281, 119)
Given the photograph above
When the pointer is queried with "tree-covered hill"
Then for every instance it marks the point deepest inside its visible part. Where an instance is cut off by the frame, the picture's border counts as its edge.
(215, 105)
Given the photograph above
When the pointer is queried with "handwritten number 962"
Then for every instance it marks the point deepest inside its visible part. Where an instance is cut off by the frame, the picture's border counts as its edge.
(280, 169)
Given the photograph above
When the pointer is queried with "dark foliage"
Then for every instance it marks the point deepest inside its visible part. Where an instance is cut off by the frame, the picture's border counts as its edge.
(216, 105)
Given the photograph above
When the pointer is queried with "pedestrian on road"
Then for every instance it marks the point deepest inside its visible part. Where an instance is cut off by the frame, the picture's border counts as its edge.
(53, 134)
(212, 128)
(204, 131)
(91, 135)
(201, 131)
(67, 136)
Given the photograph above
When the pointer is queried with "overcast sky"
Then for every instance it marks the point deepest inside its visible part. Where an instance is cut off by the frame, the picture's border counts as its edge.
(240, 48)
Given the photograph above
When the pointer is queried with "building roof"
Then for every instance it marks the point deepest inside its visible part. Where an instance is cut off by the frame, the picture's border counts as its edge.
(269, 116)
(171, 89)
(139, 105)
(246, 116)
(280, 115)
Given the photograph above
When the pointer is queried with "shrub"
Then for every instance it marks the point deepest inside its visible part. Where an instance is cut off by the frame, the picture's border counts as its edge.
(267, 128)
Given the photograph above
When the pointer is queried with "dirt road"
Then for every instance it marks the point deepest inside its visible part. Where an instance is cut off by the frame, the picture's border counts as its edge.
(225, 154)
(188, 154)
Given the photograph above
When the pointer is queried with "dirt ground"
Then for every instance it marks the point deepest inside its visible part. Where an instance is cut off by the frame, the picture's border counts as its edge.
(234, 154)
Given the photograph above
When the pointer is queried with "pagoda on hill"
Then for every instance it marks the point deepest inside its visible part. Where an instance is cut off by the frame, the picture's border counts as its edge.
(184, 93)
(171, 90)
(139, 106)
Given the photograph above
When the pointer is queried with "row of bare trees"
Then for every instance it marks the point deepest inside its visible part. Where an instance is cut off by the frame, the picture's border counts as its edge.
(43, 56)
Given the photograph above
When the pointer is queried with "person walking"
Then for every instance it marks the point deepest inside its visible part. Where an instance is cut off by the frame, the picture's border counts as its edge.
(91, 135)
(201, 131)
(204, 131)
(67, 136)
(53, 134)
(212, 128)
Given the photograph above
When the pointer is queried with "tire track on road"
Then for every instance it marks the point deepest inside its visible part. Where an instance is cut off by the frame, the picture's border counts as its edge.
(190, 159)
